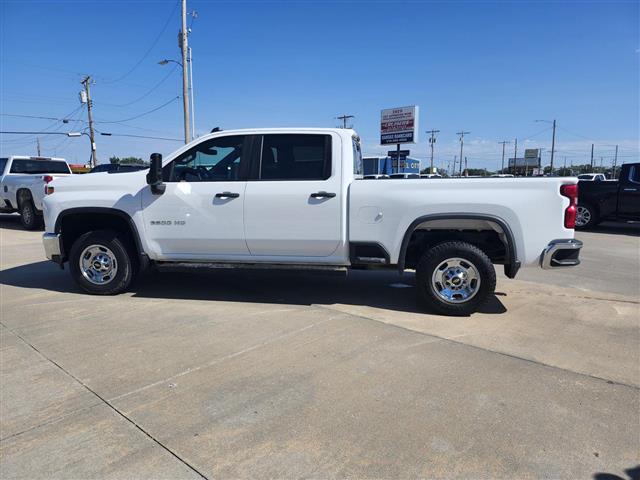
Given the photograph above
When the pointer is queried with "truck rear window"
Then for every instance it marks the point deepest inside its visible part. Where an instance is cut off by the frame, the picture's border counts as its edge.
(39, 166)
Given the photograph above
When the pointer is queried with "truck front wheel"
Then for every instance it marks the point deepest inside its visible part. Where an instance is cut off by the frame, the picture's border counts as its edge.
(101, 262)
(455, 278)
(587, 217)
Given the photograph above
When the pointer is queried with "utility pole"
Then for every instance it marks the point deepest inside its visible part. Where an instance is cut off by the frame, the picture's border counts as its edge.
(38, 145)
(466, 170)
(184, 47)
(462, 134)
(193, 107)
(453, 172)
(432, 141)
(553, 144)
(515, 155)
(344, 119)
(94, 157)
(504, 142)
(592, 157)
(615, 163)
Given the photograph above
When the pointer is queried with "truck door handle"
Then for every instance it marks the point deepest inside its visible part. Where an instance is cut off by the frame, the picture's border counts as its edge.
(323, 194)
(227, 195)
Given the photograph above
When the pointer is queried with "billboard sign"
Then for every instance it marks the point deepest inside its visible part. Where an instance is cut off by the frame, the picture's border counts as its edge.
(532, 153)
(399, 125)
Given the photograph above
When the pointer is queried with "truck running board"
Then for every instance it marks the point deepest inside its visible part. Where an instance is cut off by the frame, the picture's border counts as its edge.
(173, 266)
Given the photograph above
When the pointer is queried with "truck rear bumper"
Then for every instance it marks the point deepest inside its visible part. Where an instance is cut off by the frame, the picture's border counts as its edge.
(561, 253)
(53, 247)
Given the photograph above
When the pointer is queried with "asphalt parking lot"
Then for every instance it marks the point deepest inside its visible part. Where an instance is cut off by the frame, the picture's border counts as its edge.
(245, 374)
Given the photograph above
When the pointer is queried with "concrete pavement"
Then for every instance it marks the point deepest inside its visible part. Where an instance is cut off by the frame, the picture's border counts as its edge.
(285, 375)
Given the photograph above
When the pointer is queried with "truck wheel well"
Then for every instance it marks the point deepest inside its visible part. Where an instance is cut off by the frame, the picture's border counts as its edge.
(72, 226)
(492, 235)
(23, 195)
(486, 240)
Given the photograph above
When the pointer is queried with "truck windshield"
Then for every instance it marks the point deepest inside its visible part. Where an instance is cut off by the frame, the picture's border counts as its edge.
(39, 166)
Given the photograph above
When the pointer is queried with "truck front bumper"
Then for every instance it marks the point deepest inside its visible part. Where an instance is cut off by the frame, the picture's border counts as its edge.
(561, 253)
(53, 247)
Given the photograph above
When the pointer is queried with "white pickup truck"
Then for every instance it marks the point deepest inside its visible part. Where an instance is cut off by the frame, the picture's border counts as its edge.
(22, 185)
(294, 198)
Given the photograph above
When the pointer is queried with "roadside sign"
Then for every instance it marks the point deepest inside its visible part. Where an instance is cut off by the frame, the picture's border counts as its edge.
(399, 125)
(394, 153)
(531, 153)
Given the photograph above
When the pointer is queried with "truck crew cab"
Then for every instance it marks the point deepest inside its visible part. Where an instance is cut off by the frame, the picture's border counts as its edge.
(295, 198)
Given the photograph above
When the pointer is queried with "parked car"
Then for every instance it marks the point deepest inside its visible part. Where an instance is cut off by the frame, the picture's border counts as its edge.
(610, 200)
(291, 198)
(117, 167)
(22, 185)
(592, 177)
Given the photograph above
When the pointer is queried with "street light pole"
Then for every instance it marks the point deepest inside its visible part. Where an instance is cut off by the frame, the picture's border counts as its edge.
(184, 46)
(504, 142)
(553, 144)
(193, 107)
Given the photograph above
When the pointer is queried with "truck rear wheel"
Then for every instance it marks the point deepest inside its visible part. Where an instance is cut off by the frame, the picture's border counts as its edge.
(29, 216)
(455, 278)
(101, 262)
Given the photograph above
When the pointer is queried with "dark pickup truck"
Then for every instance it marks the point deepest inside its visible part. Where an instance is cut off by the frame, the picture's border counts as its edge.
(610, 200)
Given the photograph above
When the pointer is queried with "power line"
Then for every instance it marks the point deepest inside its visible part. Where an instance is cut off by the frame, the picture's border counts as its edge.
(146, 54)
(65, 119)
(144, 136)
(150, 91)
(575, 134)
(142, 114)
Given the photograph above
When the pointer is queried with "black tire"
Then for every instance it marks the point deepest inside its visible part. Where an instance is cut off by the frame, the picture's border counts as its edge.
(588, 214)
(29, 215)
(471, 256)
(113, 243)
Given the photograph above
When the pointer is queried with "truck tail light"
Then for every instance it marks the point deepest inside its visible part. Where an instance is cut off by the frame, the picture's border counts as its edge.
(571, 192)
(47, 189)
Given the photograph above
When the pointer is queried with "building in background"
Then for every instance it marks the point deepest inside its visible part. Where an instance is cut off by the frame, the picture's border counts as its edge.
(528, 166)
(389, 166)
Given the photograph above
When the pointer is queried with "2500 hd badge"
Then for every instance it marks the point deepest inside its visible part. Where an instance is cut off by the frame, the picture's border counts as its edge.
(168, 222)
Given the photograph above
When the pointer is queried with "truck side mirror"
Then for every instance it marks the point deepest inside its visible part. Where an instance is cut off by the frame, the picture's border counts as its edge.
(154, 177)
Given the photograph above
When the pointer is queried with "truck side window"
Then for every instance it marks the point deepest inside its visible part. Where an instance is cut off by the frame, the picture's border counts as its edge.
(634, 174)
(295, 157)
(3, 163)
(215, 160)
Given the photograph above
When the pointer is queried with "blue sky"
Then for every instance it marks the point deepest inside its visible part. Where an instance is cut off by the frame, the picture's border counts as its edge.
(491, 68)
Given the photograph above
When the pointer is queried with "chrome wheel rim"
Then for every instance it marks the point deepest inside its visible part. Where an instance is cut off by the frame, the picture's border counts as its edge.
(98, 264)
(456, 280)
(583, 216)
